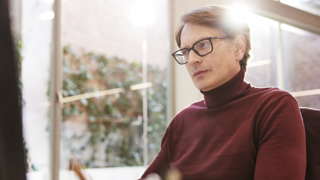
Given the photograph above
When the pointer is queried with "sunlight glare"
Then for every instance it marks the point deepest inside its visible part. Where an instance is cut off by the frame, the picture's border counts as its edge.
(143, 13)
(239, 12)
(47, 15)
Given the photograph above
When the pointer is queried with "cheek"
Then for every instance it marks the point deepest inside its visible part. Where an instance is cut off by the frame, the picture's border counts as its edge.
(223, 60)
(189, 68)
(215, 62)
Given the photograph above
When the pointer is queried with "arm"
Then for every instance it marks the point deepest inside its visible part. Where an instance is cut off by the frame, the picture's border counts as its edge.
(282, 144)
(161, 163)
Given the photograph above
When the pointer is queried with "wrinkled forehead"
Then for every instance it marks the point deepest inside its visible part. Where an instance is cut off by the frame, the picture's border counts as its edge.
(192, 33)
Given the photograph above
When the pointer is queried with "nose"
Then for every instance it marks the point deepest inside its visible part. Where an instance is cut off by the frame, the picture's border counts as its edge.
(194, 58)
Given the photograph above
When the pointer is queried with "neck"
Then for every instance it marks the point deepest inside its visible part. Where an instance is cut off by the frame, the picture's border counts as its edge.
(234, 89)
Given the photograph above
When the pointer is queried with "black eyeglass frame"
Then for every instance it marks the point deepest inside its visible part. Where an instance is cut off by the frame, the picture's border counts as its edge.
(192, 48)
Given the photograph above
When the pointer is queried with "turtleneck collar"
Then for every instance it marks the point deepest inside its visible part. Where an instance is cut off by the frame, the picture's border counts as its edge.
(230, 91)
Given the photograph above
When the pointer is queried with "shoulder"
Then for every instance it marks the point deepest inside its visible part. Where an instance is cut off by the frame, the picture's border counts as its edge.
(263, 102)
(273, 103)
(193, 109)
(270, 95)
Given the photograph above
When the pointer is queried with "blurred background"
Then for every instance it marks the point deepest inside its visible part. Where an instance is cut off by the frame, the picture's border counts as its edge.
(119, 85)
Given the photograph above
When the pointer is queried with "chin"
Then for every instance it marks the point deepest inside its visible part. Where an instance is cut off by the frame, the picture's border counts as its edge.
(205, 86)
(201, 87)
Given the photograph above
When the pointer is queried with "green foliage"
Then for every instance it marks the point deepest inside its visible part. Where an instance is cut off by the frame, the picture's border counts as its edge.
(113, 123)
(18, 56)
(18, 45)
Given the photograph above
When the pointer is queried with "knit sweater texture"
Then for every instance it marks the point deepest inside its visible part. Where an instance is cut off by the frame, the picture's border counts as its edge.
(238, 132)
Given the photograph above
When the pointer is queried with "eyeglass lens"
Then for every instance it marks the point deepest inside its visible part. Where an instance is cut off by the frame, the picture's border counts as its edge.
(201, 48)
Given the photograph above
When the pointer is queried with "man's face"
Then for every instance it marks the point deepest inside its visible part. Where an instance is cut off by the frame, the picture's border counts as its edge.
(215, 69)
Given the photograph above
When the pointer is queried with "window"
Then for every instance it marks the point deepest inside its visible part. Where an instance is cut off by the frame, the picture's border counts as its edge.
(106, 51)
(288, 53)
(311, 6)
(262, 67)
(36, 39)
(302, 65)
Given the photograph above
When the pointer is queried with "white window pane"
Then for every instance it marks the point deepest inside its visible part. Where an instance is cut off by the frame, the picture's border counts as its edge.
(36, 32)
(261, 69)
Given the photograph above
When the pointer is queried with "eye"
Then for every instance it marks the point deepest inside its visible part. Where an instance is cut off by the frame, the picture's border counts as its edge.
(204, 44)
(185, 52)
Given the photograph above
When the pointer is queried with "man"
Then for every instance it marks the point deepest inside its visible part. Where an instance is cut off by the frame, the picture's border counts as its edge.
(238, 132)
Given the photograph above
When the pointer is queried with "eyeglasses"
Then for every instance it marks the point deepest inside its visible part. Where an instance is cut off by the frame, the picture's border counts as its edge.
(201, 48)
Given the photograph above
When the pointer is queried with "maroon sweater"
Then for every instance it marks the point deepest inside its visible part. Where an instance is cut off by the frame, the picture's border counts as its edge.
(238, 132)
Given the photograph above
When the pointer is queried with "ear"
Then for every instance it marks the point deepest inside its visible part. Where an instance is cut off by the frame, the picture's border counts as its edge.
(239, 44)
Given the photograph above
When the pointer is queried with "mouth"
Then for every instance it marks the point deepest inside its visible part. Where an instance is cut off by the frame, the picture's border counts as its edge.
(200, 73)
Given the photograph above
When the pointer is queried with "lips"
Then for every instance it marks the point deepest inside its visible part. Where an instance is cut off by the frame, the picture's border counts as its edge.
(199, 73)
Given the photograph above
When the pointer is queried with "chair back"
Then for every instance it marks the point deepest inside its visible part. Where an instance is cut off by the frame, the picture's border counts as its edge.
(311, 118)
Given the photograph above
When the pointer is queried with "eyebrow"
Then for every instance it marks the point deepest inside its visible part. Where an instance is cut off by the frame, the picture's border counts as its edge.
(199, 39)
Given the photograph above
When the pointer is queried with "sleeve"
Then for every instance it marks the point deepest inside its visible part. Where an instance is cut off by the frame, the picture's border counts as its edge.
(160, 164)
(282, 143)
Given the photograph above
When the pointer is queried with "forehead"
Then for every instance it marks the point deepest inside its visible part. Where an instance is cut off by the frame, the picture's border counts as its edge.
(192, 33)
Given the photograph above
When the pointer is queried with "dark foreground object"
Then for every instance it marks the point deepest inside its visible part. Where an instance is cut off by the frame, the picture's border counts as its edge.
(311, 118)
(11, 148)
